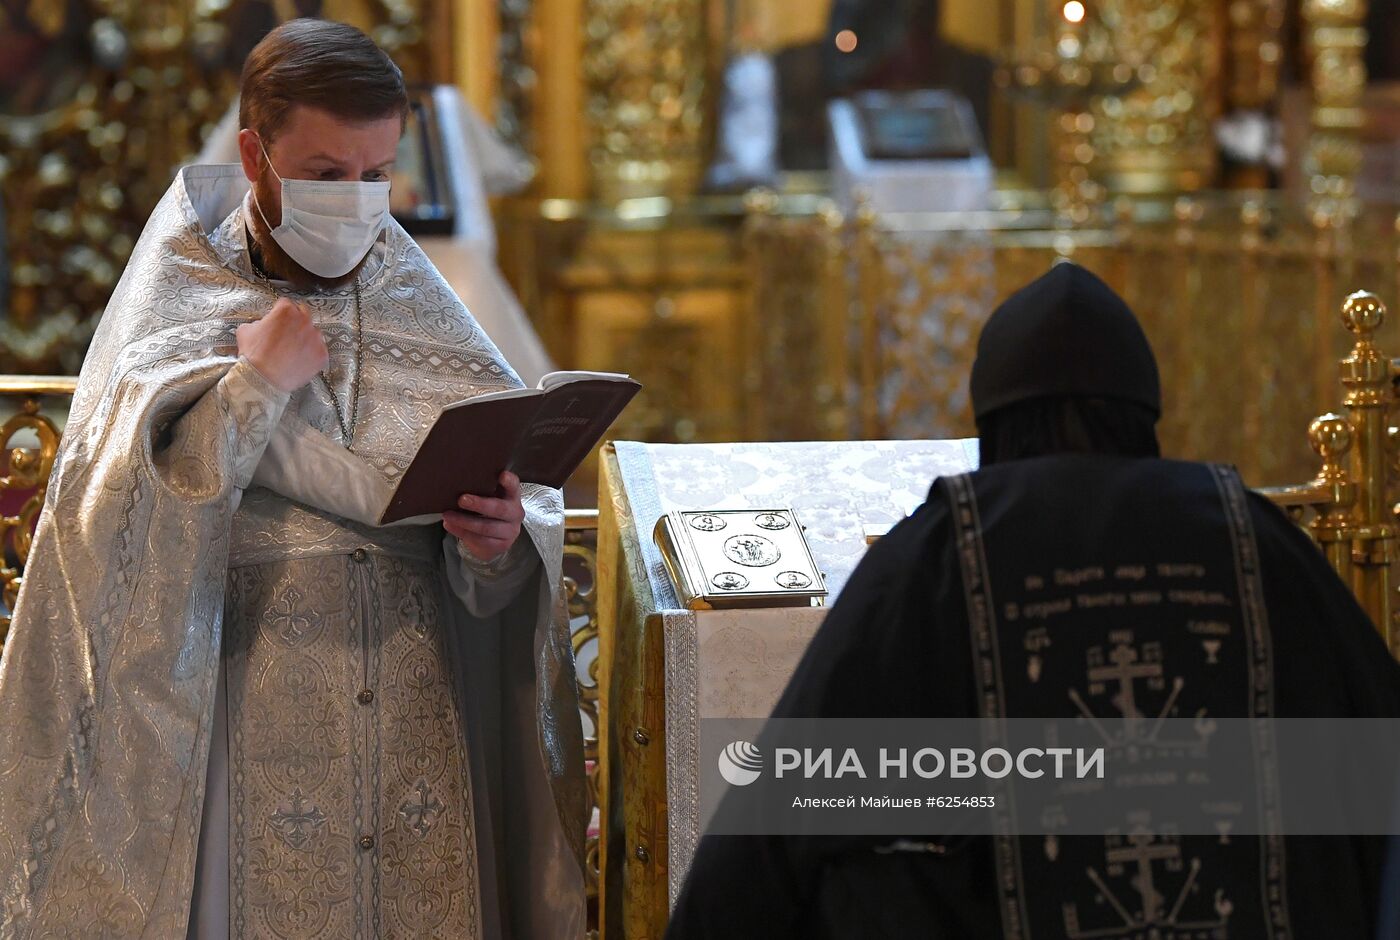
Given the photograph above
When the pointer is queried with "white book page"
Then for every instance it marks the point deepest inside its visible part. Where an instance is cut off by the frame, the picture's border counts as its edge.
(556, 379)
(496, 396)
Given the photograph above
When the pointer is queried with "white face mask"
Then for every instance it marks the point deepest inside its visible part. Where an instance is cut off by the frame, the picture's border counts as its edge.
(328, 226)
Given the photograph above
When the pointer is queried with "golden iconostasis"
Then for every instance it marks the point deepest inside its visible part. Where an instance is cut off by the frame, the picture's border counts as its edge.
(1245, 142)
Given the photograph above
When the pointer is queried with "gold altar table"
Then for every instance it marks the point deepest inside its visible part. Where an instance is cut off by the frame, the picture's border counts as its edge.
(663, 668)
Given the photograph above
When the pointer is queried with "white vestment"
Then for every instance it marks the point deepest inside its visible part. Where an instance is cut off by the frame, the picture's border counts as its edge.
(401, 750)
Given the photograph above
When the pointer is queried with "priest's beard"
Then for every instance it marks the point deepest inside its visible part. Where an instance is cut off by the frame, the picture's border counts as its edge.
(270, 256)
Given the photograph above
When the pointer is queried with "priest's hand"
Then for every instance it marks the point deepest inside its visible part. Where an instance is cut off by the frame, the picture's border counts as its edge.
(284, 345)
(490, 525)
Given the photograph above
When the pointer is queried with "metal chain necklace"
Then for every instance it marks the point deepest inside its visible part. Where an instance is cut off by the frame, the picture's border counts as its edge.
(347, 428)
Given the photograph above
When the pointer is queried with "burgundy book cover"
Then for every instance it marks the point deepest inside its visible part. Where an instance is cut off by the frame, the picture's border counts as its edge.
(542, 437)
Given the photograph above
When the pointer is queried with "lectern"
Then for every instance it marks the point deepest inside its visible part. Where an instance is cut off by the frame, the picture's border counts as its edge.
(663, 668)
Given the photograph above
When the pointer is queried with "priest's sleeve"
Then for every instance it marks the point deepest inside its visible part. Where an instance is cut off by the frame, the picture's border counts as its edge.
(486, 587)
(108, 673)
(235, 417)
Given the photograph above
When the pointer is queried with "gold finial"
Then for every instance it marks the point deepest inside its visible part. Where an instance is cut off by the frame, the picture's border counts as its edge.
(1363, 313)
(1330, 437)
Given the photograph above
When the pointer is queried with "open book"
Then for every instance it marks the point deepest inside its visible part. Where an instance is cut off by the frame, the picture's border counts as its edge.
(539, 434)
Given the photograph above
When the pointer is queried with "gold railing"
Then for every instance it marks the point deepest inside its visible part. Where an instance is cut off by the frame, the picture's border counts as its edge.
(1348, 506)
(580, 587)
(31, 437)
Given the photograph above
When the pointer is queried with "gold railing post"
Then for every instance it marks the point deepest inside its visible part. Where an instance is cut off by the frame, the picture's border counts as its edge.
(1330, 437)
(1366, 375)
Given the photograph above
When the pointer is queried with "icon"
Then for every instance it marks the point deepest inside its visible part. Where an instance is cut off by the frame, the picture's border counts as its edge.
(730, 581)
(771, 521)
(707, 523)
(740, 763)
(792, 580)
(751, 551)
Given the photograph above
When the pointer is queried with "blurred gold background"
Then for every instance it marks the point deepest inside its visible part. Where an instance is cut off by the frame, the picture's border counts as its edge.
(1231, 165)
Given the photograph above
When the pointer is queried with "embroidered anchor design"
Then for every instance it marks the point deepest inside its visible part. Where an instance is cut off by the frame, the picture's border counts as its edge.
(296, 822)
(420, 816)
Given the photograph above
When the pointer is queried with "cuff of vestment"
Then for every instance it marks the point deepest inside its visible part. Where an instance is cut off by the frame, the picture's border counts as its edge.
(244, 372)
(505, 561)
(254, 407)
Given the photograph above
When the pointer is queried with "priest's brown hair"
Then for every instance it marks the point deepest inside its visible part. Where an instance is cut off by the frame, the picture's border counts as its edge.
(330, 66)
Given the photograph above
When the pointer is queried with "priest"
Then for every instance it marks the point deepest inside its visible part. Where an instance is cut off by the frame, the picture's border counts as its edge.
(959, 612)
(235, 705)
